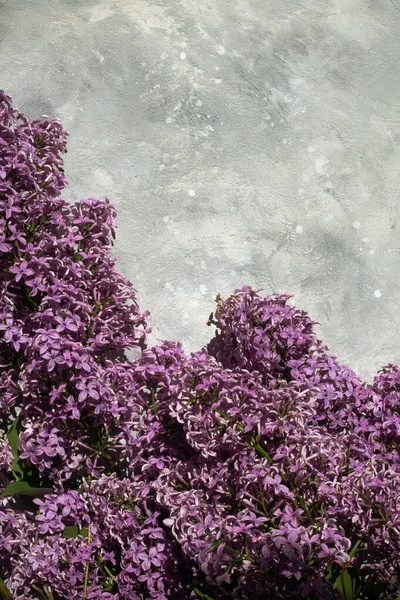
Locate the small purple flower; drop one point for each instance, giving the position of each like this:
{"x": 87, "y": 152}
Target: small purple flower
{"x": 21, "y": 270}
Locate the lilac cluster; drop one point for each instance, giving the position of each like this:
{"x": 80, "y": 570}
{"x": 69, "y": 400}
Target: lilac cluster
{"x": 256, "y": 468}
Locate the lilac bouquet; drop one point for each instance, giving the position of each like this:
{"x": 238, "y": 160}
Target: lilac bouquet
{"x": 256, "y": 468}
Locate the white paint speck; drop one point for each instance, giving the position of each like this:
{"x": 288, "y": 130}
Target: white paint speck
{"x": 311, "y": 149}
{"x": 199, "y": 103}
{"x": 356, "y": 224}
{"x": 203, "y": 289}
{"x": 192, "y": 193}
{"x": 372, "y": 251}
{"x": 272, "y": 124}
{"x": 285, "y": 141}
{"x": 161, "y": 167}
{"x": 99, "y": 56}
{"x": 221, "y": 50}
{"x": 301, "y": 191}
{"x": 169, "y": 120}
{"x": 299, "y": 229}
{"x": 320, "y": 163}
{"x": 182, "y": 55}
{"x": 377, "y": 293}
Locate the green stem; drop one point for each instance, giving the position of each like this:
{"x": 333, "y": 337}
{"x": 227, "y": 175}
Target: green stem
{"x": 4, "y": 591}
{"x": 263, "y": 452}
{"x": 85, "y": 585}
{"x": 107, "y": 570}
{"x": 153, "y": 401}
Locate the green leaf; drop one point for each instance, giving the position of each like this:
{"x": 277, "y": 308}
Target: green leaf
{"x": 13, "y": 440}
{"x": 13, "y": 436}
{"x": 23, "y": 488}
{"x": 201, "y": 595}
{"x": 4, "y": 591}
{"x": 345, "y": 584}
{"x": 72, "y": 531}
{"x": 329, "y": 572}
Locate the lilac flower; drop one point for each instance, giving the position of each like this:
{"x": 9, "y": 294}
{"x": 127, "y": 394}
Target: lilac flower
{"x": 6, "y": 457}
{"x": 21, "y": 270}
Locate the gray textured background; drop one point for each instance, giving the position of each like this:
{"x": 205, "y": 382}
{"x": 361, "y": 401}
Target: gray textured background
{"x": 254, "y": 141}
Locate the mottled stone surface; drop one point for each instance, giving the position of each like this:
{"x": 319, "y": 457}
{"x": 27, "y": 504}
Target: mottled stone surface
{"x": 254, "y": 141}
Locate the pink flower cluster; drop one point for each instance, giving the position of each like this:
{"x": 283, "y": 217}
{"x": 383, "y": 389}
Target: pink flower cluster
{"x": 258, "y": 467}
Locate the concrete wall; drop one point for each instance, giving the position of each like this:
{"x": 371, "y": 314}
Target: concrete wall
{"x": 253, "y": 141}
